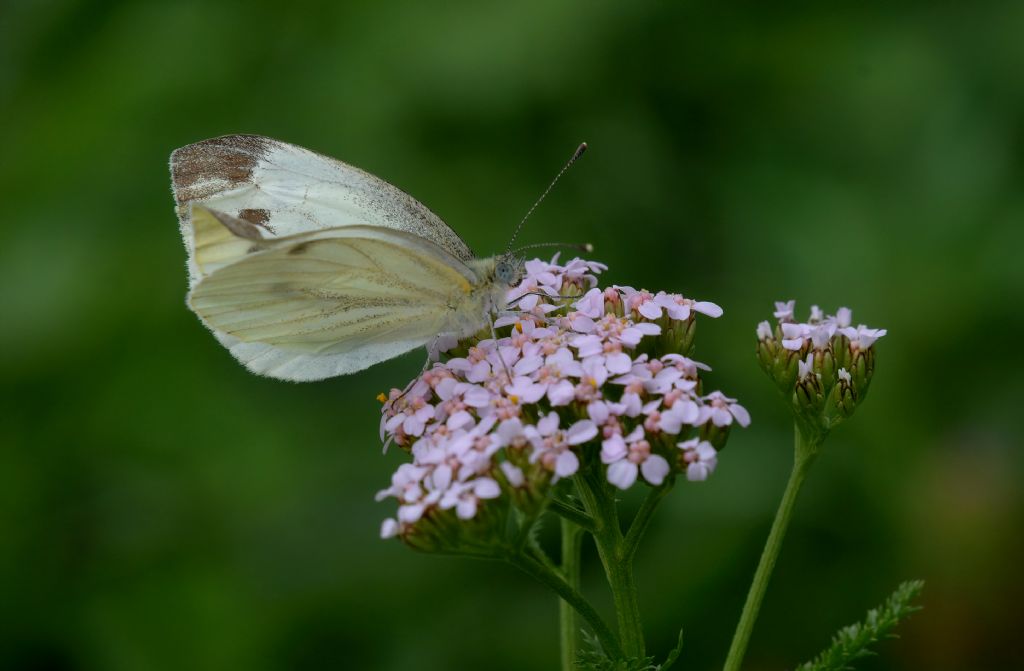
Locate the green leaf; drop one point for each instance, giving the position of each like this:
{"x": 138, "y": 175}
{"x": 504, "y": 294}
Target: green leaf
{"x": 673, "y": 654}
{"x": 593, "y": 658}
{"x": 852, "y": 643}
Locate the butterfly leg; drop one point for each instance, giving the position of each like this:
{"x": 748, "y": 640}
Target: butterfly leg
{"x": 523, "y": 314}
{"x": 431, "y": 354}
{"x": 497, "y": 350}
{"x": 544, "y": 295}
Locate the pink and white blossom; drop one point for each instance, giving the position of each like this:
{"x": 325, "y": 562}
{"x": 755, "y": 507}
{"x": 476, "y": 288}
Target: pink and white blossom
{"x": 805, "y": 367}
{"x": 700, "y": 458}
{"x": 862, "y": 337}
{"x": 819, "y": 330}
{"x": 575, "y": 379}
{"x": 631, "y": 455}
{"x": 722, "y": 410}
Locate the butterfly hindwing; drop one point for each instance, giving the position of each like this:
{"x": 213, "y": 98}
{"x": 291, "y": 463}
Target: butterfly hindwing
{"x": 315, "y": 305}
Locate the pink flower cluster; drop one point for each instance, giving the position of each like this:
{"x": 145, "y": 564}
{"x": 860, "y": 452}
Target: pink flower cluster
{"x": 819, "y": 329}
{"x": 601, "y": 376}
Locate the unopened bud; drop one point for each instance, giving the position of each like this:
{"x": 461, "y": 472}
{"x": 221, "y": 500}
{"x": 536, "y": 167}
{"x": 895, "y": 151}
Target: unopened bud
{"x": 824, "y": 365}
{"x": 718, "y": 436}
{"x": 842, "y": 400}
{"x": 677, "y": 336}
{"x": 809, "y": 395}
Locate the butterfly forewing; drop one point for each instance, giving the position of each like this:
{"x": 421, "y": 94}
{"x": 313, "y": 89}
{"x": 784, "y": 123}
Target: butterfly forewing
{"x": 286, "y": 190}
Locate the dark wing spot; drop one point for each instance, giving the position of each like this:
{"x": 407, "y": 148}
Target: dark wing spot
{"x": 239, "y": 227}
{"x": 257, "y": 216}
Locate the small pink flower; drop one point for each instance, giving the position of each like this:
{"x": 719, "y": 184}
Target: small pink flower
{"x": 627, "y": 457}
{"x": 805, "y": 368}
{"x": 389, "y": 528}
{"x": 679, "y": 307}
{"x": 722, "y": 410}
{"x": 821, "y": 334}
{"x": 594, "y": 372}
{"x": 591, "y": 305}
{"x": 689, "y": 367}
{"x": 587, "y": 345}
{"x": 862, "y": 337}
{"x": 793, "y": 335}
{"x": 631, "y": 335}
{"x": 466, "y": 496}
{"x": 405, "y": 484}
{"x": 784, "y": 311}
{"x": 553, "y": 447}
{"x": 524, "y": 390}
{"x": 685, "y": 411}
{"x": 700, "y": 459}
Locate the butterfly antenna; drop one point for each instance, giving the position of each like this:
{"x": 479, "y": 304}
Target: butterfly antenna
{"x": 578, "y": 246}
{"x": 579, "y": 152}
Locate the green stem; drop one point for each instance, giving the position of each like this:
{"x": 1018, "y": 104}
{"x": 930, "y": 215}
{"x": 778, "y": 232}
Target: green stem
{"x": 572, "y": 541}
{"x": 550, "y": 579}
{"x": 571, "y": 513}
{"x": 599, "y": 500}
{"x": 627, "y": 608}
{"x": 643, "y": 518}
{"x": 805, "y": 450}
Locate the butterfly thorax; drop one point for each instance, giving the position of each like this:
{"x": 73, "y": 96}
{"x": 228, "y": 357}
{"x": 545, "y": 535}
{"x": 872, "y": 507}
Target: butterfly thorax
{"x": 496, "y": 275}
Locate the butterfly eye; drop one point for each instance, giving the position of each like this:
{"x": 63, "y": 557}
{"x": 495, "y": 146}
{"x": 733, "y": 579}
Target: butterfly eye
{"x": 508, "y": 270}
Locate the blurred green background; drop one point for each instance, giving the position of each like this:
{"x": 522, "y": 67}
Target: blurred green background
{"x": 161, "y": 508}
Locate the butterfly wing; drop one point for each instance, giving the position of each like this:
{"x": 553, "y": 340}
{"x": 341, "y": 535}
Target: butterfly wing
{"x": 316, "y": 305}
{"x": 287, "y": 190}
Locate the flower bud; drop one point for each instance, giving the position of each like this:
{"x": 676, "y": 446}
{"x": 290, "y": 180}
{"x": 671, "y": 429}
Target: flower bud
{"x": 824, "y": 365}
{"x": 863, "y": 368}
{"x": 779, "y": 363}
{"x": 841, "y": 348}
{"x": 843, "y": 399}
{"x": 718, "y": 436}
{"x": 677, "y": 336}
{"x": 809, "y": 394}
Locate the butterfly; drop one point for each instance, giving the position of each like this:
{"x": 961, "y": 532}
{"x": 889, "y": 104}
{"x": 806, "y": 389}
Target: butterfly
{"x": 305, "y": 267}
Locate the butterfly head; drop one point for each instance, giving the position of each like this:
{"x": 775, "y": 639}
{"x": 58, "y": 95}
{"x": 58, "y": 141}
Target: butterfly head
{"x": 509, "y": 269}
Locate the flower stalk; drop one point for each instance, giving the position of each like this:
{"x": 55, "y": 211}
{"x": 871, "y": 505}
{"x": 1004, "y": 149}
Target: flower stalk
{"x": 599, "y": 500}
{"x": 549, "y": 578}
{"x": 805, "y": 450}
{"x": 572, "y": 542}
{"x": 822, "y": 367}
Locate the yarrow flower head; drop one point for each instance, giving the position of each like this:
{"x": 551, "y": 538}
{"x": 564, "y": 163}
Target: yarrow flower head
{"x": 579, "y": 381}
{"x": 824, "y": 365}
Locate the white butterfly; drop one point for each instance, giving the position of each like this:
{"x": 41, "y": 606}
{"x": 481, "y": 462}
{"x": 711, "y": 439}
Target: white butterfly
{"x": 305, "y": 267}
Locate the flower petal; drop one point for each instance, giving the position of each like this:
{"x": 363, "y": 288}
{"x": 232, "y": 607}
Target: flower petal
{"x": 655, "y": 468}
{"x": 566, "y": 464}
{"x": 580, "y": 432}
{"x": 622, "y": 474}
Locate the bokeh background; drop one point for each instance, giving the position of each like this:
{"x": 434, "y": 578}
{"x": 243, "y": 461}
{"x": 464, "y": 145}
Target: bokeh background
{"x": 163, "y": 509}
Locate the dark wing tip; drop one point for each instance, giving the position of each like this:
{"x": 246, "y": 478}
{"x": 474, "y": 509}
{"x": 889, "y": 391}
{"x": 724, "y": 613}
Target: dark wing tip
{"x": 202, "y": 169}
